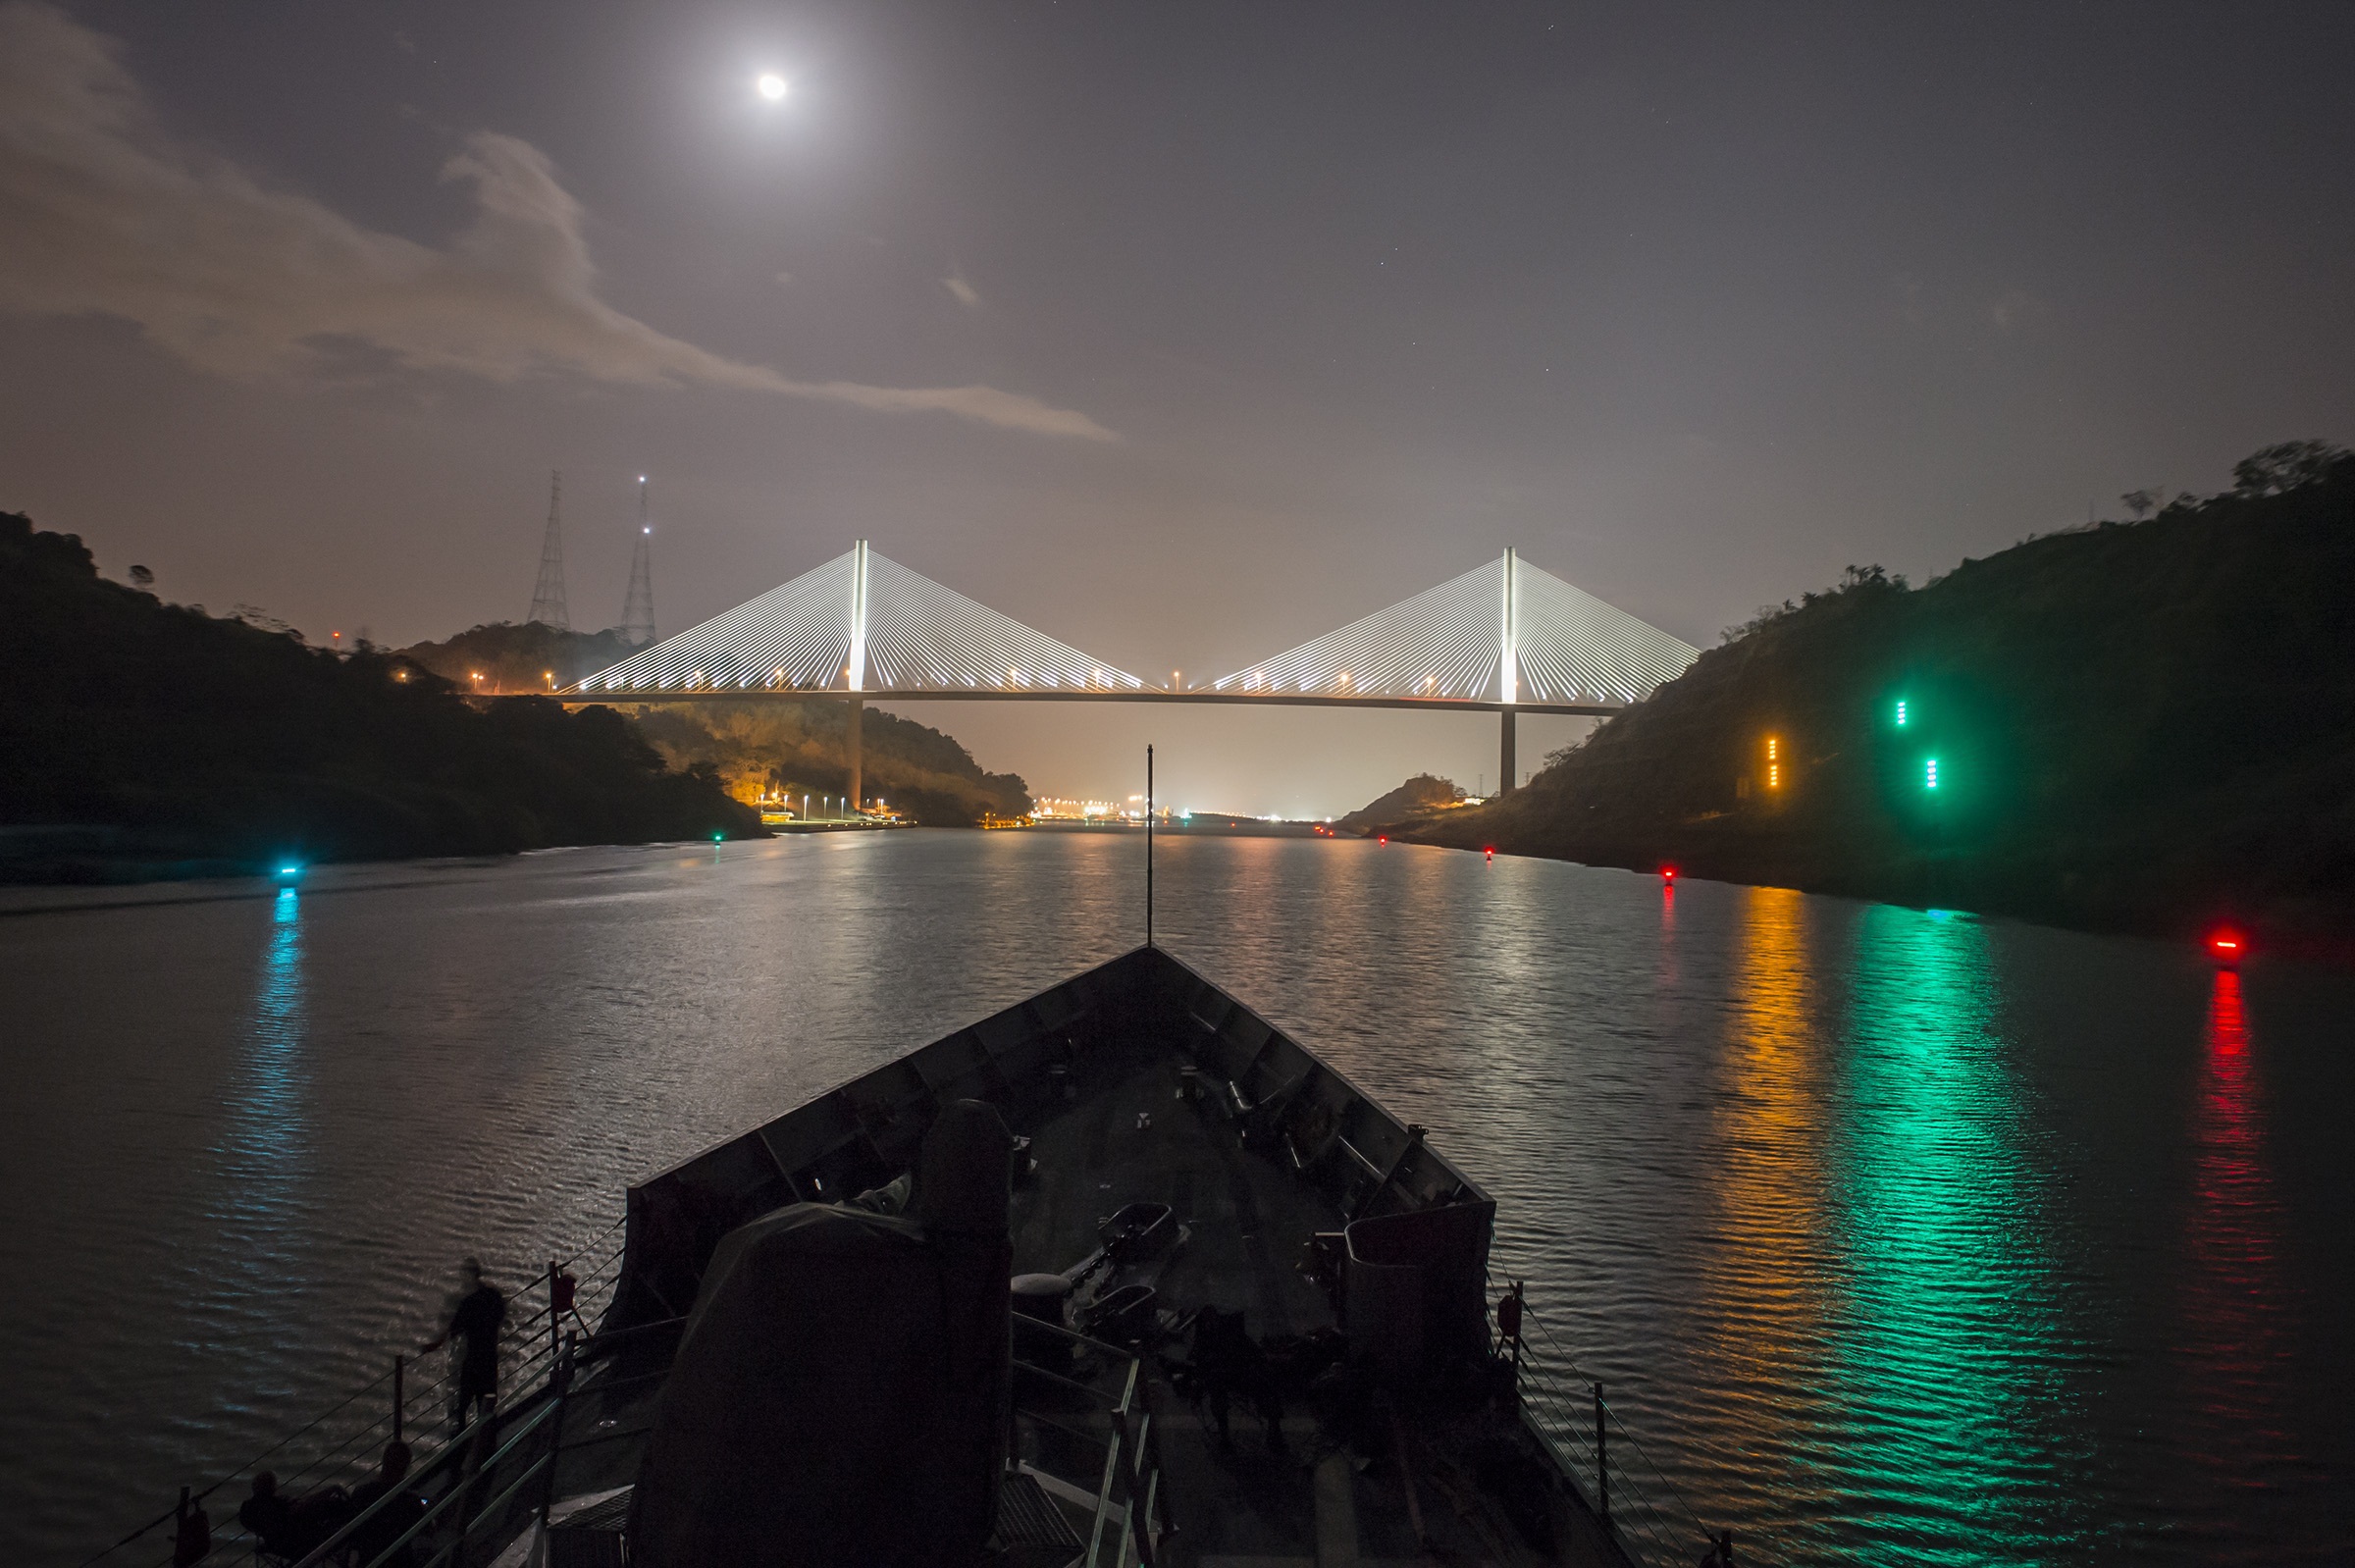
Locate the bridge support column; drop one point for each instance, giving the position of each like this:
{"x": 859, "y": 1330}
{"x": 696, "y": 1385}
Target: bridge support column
{"x": 858, "y": 712}
{"x": 1505, "y": 760}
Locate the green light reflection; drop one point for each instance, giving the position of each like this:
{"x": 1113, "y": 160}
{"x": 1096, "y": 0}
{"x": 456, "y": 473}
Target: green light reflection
{"x": 1950, "y": 1300}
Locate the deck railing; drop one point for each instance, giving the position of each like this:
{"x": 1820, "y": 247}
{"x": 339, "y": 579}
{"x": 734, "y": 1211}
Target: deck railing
{"x": 1082, "y": 1426}
{"x": 341, "y": 1445}
{"x": 1568, "y": 1412}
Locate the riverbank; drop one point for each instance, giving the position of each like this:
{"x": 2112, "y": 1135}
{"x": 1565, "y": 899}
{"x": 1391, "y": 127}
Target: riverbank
{"x": 140, "y": 739}
{"x": 2144, "y": 727}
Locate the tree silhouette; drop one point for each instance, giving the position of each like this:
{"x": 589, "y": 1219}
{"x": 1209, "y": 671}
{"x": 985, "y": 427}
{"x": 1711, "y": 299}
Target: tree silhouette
{"x": 2286, "y": 466}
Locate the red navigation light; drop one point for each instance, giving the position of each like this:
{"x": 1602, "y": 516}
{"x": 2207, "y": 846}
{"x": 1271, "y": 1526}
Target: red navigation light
{"x": 1383, "y": 839}
{"x": 1667, "y": 873}
{"x": 1491, "y": 852}
{"x": 2226, "y": 946}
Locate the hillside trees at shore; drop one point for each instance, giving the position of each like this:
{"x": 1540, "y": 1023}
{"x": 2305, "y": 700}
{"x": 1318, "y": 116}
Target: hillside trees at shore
{"x": 2142, "y": 726}
{"x": 503, "y": 658}
{"x": 802, "y": 746}
{"x": 169, "y": 740}
{"x": 1410, "y": 802}
{"x": 786, "y": 747}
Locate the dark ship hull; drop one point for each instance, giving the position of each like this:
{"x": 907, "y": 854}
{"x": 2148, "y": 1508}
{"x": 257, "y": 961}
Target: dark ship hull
{"x": 1252, "y": 1321}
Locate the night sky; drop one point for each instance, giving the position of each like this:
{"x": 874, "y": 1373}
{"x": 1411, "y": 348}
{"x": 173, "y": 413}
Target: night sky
{"x": 1180, "y": 332}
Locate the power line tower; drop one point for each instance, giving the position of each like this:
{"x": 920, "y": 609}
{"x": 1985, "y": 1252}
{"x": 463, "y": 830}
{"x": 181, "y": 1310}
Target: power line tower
{"x": 547, "y": 599}
{"x": 638, "y": 607}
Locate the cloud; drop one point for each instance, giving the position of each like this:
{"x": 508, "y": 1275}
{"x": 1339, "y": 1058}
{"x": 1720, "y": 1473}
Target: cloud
{"x": 2014, "y": 307}
{"x": 105, "y": 214}
{"x": 966, "y": 295}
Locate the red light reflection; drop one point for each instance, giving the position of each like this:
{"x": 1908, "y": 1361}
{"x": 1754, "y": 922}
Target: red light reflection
{"x": 2233, "y": 1328}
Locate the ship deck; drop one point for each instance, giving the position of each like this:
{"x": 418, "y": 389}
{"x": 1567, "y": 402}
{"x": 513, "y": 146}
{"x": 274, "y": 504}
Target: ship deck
{"x": 1140, "y": 1083}
{"x": 1247, "y": 1220}
{"x": 1243, "y": 1504}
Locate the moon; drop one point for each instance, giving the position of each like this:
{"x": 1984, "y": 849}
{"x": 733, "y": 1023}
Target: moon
{"x": 772, "y": 85}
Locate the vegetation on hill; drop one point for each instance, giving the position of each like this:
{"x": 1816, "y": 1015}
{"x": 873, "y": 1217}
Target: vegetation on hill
{"x": 187, "y": 740}
{"x": 2142, "y": 725}
{"x": 504, "y": 657}
{"x": 756, "y": 748}
{"x": 1409, "y": 804}
{"x": 801, "y": 748}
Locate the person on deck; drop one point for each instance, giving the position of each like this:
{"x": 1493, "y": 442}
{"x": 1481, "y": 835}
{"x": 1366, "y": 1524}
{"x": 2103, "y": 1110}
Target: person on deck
{"x": 399, "y": 1514}
{"x": 475, "y": 1326}
{"x": 266, "y": 1517}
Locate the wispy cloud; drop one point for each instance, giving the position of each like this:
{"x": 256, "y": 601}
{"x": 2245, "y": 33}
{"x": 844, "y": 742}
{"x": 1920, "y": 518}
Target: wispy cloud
{"x": 2012, "y": 309}
{"x": 104, "y": 213}
{"x": 965, "y": 293}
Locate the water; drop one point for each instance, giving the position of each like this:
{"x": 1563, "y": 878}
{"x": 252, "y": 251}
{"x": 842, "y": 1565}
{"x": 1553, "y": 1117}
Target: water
{"x": 1896, "y": 1237}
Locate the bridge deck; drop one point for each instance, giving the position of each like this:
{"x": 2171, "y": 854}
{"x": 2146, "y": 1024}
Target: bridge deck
{"x": 1460, "y": 705}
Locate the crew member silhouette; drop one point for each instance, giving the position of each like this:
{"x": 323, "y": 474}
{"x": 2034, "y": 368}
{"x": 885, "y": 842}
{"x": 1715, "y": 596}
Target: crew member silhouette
{"x": 475, "y": 1326}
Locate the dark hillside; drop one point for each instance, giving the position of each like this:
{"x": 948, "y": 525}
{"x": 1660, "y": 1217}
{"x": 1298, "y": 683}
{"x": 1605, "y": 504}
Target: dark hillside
{"x": 1418, "y": 797}
{"x": 2144, "y": 727}
{"x": 795, "y": 748}
{"x": 758, "y": 748}
{"x": 505, "y": 658}
{"x": 175, "y": 737}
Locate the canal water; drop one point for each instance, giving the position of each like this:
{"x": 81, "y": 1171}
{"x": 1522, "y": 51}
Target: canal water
{"x": 1895, "y": 1235}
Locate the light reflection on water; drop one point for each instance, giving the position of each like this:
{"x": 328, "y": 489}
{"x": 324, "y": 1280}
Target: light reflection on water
{"x": 1896, "y": 1237}
{"x": 1943, "y": 1374}
{"x": 266, "y": 1126}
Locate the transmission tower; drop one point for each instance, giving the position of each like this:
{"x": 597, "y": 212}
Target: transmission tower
{"x": 638, "y": 607}
{"x": 547, "y": 599}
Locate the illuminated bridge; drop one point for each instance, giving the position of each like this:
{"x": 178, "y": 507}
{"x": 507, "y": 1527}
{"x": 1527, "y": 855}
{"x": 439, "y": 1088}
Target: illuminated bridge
{"x": 1504, "y": 638}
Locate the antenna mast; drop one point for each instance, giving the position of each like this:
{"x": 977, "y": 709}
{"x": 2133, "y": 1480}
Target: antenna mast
{"x": 548, "y": 599}
{"x": 638, "y": 607}
{"x": 1148, "y": 845}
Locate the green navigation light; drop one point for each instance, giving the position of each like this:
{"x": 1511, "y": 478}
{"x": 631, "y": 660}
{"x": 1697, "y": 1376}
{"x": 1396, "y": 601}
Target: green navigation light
{"x": 1929, "y": 773}
{"x": 1900, "y": 714}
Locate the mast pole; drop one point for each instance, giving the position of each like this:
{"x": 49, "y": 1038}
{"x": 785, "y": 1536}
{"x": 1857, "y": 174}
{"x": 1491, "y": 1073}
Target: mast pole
{"x": 1508, "y": 677}
{"x": 1148, "y": 845}
{"x": 858, "y": 673}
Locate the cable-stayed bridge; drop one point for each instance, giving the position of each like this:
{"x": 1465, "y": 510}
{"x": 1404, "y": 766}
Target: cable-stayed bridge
{"x": 1506, "y": 638}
